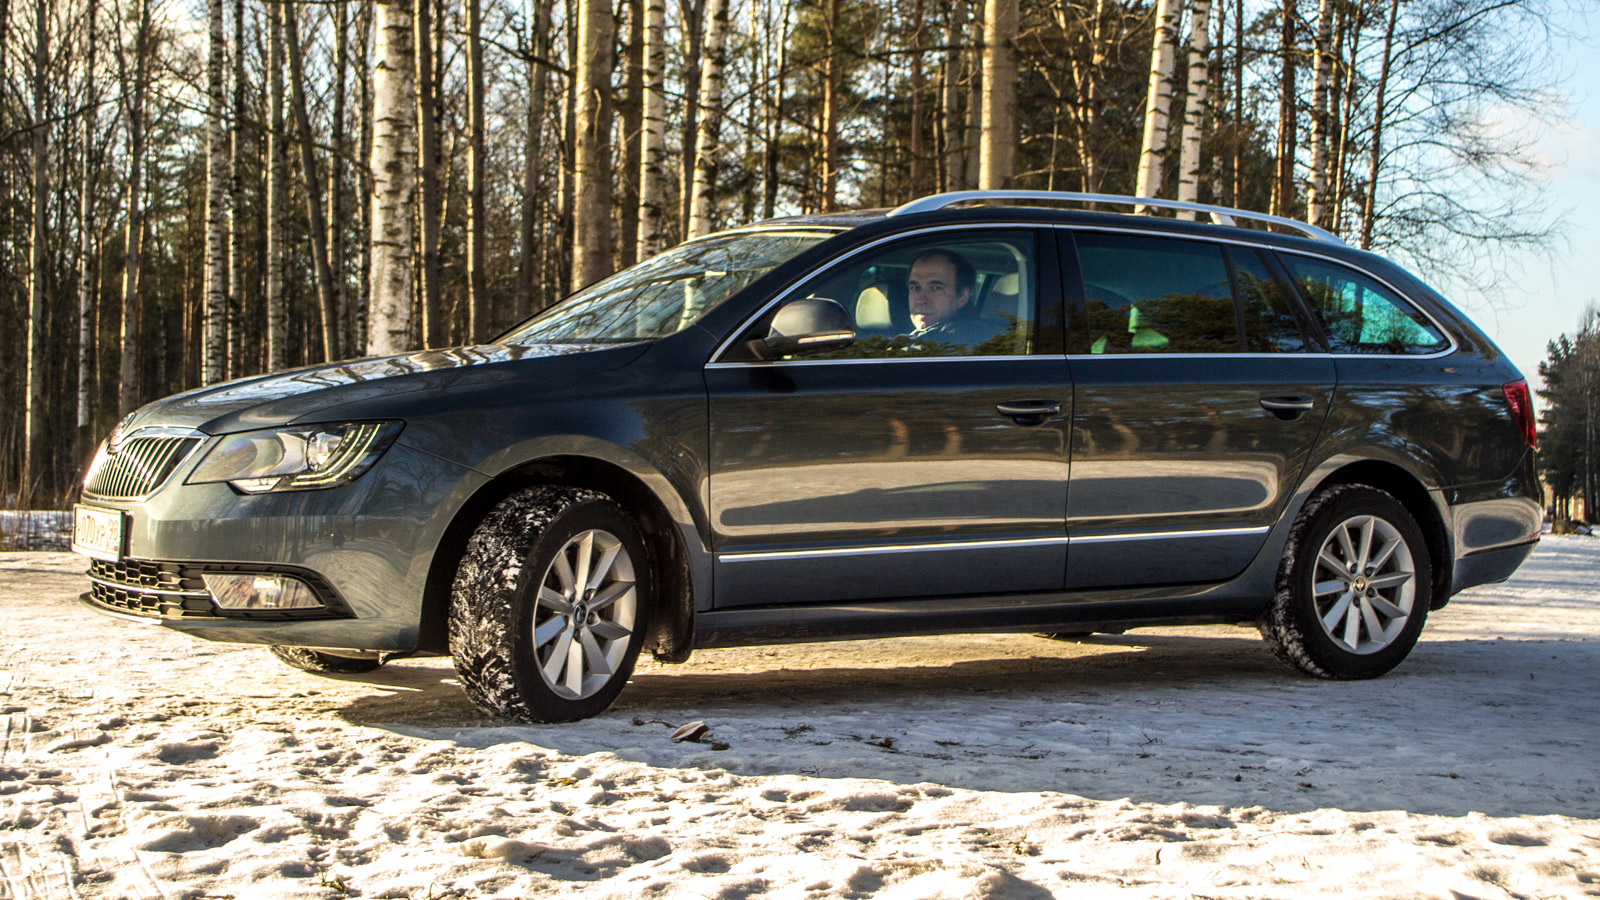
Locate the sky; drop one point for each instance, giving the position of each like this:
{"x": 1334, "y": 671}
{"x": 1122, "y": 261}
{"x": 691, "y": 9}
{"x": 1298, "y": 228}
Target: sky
{"x": 1560, "y": 284}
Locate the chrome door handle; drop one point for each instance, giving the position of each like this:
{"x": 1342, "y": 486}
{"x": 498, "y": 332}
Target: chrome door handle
{"x": 1288, "y": 407}
{"x": 1029, "y": 413}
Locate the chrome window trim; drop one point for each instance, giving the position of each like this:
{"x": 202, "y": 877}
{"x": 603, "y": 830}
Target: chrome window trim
{"x": 1165, "y": 535}
{"x": 934, "y": 546}
{"x": 896, "y": 359}
{"x": 838, "y": 260}
{"x": 1257, "y": 245}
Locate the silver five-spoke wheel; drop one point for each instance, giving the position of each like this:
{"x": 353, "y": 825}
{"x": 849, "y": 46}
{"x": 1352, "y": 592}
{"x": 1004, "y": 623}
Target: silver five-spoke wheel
{"x": 585, "y": 614}
{"x": 1365, "y": 584}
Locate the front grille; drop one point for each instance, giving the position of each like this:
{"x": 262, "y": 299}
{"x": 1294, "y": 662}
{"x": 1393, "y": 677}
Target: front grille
{"x": 138, "y": 466}
{"x": 169, "y": 590}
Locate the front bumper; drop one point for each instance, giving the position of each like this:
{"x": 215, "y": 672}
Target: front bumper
{"x": 364, "y": 548}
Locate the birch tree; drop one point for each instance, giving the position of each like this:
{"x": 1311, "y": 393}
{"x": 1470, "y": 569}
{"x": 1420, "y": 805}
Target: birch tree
{"x": 712, "y": 61}
{"x": 128, "y": 390}
{"x": 34, "y": 440}
{"x": 653, "y": 154}
{"x": 1158, "y": 103}
{"x": 1195, "y": 104}
{"x": 277, "y": 199}
{"x": 477, "y": 285}
{"x": 393, "y": 179}
{"x": 214, "y": 366}
{"x": 591, "y": 233}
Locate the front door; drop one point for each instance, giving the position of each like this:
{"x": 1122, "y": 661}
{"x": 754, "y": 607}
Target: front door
{"x": 927, "y": 460}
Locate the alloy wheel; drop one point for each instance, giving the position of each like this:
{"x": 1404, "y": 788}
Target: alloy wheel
{"x": 585, "y": 614}
{"x": 1364, "y": 584}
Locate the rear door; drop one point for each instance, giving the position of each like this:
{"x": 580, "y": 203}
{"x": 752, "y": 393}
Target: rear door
{"x": 1198, "y": 399}
{"x": 900, "y": 467}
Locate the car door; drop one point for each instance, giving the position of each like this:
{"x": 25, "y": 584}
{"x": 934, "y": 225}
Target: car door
{"x": 1198, "y": 400}
{"x": 901, "y": 466}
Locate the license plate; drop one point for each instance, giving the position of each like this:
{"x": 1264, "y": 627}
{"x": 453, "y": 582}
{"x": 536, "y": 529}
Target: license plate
{"x": 97, "y": 532}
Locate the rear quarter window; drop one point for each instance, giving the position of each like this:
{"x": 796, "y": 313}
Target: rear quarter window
{"x": 1358, "y": 314}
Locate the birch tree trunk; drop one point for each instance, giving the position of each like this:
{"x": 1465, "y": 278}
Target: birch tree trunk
{"x": 336, "y": 191}
{"x": 1318, "y": 199}
{"x": 631, "y": 120}
{"x": 528, "y": 269}
{"x": 428, "y": 166}
{"x": 591, "y": 232}
{"x": 1194, "y": 118}
{"x": 87, "y": 257}
{"x": 917, "y": 146}
{"x": 277, "y": 200}
{"x": 1094, "y": 102}
{"x": 214, "y": 367}
{"x": 128, "y": 388}
{"x": 36, "y": 449}
{"x": 1158, "y": 102}
{"x": 236, "y": 203}
{"x": 997, "y": 152}
{"x": 308, "y": 166}
{"x": 394, "y": 149}
{"x": 364, "y": 177}
{"x": 653, "y": 154}
{"x": 477, "y": 284}
{"x": 713, "y": 59}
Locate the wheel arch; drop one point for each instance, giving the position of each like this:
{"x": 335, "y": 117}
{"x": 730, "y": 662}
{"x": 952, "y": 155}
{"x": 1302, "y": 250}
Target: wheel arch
{"x": 671, "y": 635}
{"x": 1405, "y": 487}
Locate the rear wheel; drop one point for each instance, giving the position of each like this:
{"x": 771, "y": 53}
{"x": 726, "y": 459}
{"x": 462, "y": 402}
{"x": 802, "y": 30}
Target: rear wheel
{"x": 1354, "y": 587}
{"x": 549, "y": 605}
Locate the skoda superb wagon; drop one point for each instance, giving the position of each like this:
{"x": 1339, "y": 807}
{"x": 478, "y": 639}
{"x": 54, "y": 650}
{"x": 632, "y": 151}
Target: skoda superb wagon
{"x": 979, "y": 412}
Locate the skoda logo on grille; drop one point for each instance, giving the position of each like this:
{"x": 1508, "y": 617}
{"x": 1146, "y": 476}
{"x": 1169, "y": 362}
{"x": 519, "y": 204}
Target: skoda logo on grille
{"x": 118, "y": 432}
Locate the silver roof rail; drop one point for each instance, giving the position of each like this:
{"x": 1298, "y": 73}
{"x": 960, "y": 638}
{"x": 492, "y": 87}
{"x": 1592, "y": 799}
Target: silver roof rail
{"x": 1221, "y": 215}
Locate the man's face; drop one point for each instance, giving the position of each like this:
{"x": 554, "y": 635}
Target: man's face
{"x": 932, "y": 291}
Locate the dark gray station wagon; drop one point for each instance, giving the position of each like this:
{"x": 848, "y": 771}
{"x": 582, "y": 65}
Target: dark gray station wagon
{"x": 1002, "y": 417}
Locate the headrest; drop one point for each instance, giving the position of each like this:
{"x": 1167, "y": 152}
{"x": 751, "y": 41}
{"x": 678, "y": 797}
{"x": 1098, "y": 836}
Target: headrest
{"x": 1008, "y": 285}
{"x": 872, "y": 308}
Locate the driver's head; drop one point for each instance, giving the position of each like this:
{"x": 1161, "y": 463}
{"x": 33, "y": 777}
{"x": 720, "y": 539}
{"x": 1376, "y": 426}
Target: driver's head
{"x": 939, "y": 285}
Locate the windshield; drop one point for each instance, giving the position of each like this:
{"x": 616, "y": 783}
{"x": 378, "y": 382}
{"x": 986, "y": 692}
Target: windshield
{"x": 666, "y": 293}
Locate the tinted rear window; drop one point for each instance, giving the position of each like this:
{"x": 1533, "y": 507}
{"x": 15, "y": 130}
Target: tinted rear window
{"x": 1358, "y": 314}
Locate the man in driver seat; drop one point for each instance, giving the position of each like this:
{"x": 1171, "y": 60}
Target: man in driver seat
{"x": 939, "y": 290}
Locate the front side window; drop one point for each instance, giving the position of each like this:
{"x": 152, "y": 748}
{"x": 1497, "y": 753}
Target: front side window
{"x": 667, "y": 293}
{"x": 969, "y": 293}
{"x": 1358, "y": 314}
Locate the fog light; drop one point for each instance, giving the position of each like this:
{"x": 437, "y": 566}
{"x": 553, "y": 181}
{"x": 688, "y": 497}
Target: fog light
{"x": 260, "y": 592}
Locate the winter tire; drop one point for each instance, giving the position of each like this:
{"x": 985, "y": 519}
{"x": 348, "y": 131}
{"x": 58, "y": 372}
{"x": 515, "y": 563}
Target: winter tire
{"x": 549, "y": 605}
{"x": 1354, "y": 586}
{"x": 324, "y": 662}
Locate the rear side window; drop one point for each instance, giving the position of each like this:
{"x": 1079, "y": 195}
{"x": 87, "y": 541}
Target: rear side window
{"x": 1155, "y": 295}
{"x": 1358, "y": 314}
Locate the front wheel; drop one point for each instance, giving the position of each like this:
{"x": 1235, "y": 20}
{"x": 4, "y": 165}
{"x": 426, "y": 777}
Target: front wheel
{"x": 1354, "y": 586}
{"x": 549, "y": 604}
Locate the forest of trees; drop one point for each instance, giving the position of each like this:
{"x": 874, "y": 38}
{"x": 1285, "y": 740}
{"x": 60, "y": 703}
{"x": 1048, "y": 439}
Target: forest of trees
{"x": 1569, "y": 444}
{"x": 197, "y": 190}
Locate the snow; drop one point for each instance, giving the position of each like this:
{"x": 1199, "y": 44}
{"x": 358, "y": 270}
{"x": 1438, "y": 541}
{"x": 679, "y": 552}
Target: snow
{"x": 136, "y": 762}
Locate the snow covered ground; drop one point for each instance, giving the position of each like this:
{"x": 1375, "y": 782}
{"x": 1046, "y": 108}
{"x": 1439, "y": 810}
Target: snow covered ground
{"x": 1182, "y": 762}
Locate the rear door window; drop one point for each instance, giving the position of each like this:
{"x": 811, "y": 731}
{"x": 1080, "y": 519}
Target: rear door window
{"x": 1358, "y": 314}
{"x": 1164, "y": 295}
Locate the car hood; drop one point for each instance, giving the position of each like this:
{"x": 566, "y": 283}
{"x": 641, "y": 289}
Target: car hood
{"x": 313, "y": 392}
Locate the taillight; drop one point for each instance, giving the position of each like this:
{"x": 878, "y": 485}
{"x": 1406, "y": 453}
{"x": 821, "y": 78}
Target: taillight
{"x": 1520, "y": 402}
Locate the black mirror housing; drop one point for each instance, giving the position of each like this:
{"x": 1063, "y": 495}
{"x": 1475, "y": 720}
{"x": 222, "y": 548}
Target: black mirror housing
{"x": 808, "y": 325}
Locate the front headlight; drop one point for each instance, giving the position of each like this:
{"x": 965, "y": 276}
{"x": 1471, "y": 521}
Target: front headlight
{"x": 296, "y": 458}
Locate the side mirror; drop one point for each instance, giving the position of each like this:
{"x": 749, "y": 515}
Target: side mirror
{"x": 809, "y": 325}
